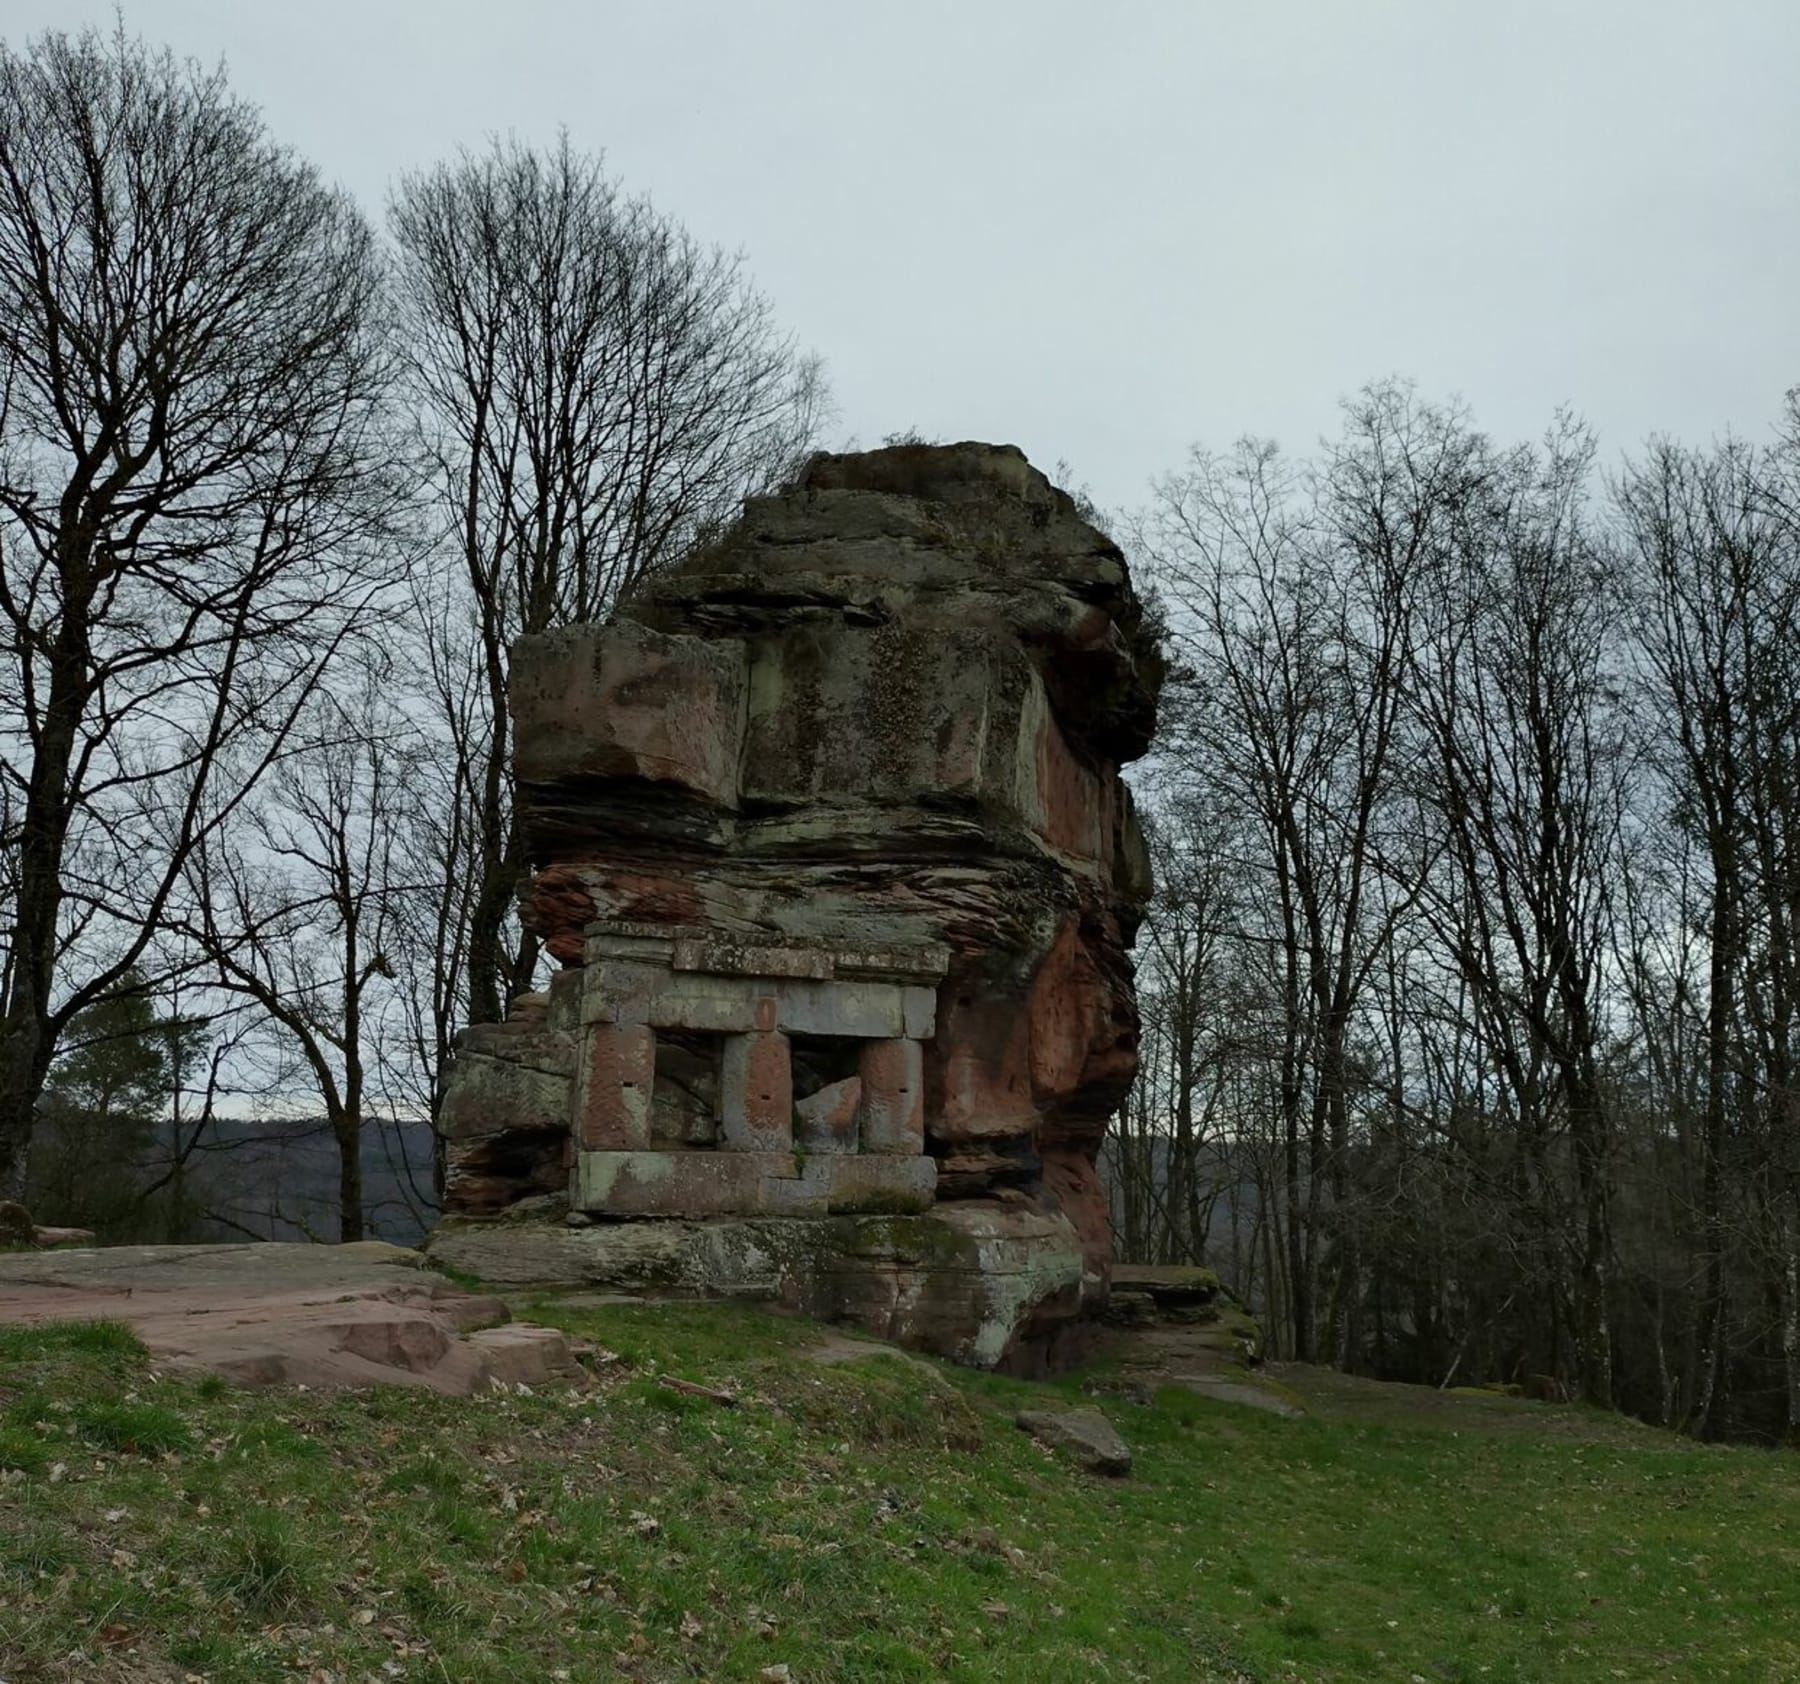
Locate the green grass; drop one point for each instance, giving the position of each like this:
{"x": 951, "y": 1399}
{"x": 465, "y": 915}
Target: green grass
{"x": 870, "y": 1522}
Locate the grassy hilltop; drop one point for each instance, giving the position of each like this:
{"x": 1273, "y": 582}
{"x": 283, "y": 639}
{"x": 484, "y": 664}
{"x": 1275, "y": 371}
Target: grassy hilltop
{"x": 877, "y": 1520}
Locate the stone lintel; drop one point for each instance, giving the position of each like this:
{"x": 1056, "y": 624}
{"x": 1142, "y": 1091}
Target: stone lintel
{"x": 624, "y": 991}
{"x": 638, "y": 929}
{"x": 699, "y": 1184}
{"x": 927, "y": 963}
{"x": 860, "y": 1010}
{"x": 694, "y": 947}
{"x": 643, "y": 950}
{"x": 729, "y": 958}
{"x": 619, "y": 991}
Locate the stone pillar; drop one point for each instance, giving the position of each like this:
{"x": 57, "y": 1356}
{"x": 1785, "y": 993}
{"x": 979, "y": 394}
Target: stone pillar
{"x": 893, "y": 1097}
{"x": 756, "y": 1093}
{"x": 617, "y": 1077}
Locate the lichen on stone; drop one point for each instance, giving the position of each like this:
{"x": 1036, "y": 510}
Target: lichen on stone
{"x": 882, "y": 715}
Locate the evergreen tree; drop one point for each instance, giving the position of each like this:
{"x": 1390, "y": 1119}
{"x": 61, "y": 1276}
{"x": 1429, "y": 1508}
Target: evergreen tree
{"x": 98, "y": 1153}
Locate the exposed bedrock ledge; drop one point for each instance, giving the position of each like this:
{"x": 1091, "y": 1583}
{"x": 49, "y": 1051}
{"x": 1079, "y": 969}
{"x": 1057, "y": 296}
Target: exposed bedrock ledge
{"x": 984, "y": 1283}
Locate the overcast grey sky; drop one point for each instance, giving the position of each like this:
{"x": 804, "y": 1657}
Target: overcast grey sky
{"x": 1105, "y": 231}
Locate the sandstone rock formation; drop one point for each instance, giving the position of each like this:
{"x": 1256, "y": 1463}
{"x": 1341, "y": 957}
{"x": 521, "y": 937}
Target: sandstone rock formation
{"x": 831, "y": 846}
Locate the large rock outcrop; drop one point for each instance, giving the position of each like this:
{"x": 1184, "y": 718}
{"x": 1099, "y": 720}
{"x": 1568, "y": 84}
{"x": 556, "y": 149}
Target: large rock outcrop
{"x": 831, "y": 846}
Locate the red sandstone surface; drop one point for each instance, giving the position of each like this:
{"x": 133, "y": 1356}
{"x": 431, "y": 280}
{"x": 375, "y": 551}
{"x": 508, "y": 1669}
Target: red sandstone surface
{"x": 829, "y": 837}
{"x": 324, "y": 1316}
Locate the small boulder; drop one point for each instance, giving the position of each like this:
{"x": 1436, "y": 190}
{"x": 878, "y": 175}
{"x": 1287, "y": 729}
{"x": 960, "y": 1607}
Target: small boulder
{"x": 1084, "y": 1434}
{"x": 522, "y": 1354}
{"x": 825, "y": 1121}
{"x": 1245, "y": 1393}
{"x": 16, "y": 1227}
{"x": 47, "y": 1239}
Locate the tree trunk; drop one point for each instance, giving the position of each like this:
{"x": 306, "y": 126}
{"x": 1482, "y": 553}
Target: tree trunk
{"x": 346, "y": 1130}
{"x": 1593, "y": 1329}
{"x": 26, "y": 1043}
{"x": 1790, "y": 1306}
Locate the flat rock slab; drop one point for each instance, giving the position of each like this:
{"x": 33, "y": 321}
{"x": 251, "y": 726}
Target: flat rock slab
{"x": 47, "y": 1238}
{"x": 963, "y": 1280}
{"x": 1207, "y": 1358}
{"x": 1245, "y": 1393}
{"x": 272, "y": 1314}
{"x": 838, "y": 1349}
{"x": 1167, "y": 1283}
{"x": 1084, "y": 1434}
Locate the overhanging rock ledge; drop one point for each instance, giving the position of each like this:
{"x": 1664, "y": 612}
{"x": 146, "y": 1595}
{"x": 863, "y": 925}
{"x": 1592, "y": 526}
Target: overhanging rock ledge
{"x": 830, "y": 842}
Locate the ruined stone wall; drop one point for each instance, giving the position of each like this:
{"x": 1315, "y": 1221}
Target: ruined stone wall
{"x": 831, "y": 845}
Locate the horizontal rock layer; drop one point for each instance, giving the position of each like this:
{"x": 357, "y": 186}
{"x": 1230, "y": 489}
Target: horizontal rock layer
{"x": 829, "y": 837}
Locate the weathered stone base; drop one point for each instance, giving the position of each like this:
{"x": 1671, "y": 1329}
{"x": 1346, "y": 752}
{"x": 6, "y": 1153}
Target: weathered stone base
{"x": 690, "y": 1184}
{"x": 990, "y": 1284}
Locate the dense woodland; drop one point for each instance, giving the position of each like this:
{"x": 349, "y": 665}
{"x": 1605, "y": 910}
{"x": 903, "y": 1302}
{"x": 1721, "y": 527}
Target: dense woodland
{"x": 1471, "y": 988}
{"x": 1471, "y": 983}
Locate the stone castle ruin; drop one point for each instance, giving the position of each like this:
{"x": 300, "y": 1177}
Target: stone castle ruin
{"x": 831, "y": 846}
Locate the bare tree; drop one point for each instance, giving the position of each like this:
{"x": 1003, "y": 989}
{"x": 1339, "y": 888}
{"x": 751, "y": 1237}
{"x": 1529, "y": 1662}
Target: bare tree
{"x": 189, "y": 383}
{"x": 1502, "y": 1035}
{"x": 598, "y": 389}
{"x": 450, "y": 693}
{"x": 1718, "y": 550}
{"x": 1292, "y": 595}
{"x": 1519, "y": 681}
{"x": 1162, "y": 1151}
{"x": 301, "y": 902}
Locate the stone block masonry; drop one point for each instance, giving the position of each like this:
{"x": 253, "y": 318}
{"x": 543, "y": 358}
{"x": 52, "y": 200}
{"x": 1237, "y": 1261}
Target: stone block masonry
{"x": 643, "y": 985}
{"x": 829, "y": 836}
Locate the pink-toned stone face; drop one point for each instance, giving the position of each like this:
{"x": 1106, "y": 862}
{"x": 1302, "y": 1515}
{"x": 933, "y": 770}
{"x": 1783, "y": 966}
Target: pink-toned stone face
{"x": 1072, "y": 1180}
{"x": 615, "y": 1092}
{"x": 1057, "y": 1061}
{"x": 1074, "y": 808}
{"x": 1083, "y": 1029}
{"x": 756, "y": 1093}
{"x": 893, "y": 1097}
{"x": 980, "y": 1080}
{"x": 624, "y": 702}
{"x": 834, "y": 807}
